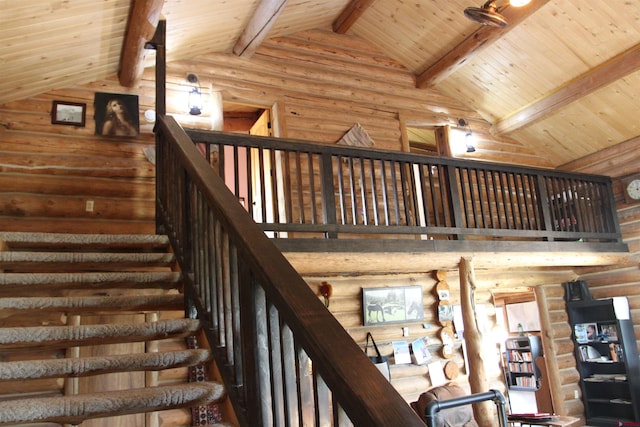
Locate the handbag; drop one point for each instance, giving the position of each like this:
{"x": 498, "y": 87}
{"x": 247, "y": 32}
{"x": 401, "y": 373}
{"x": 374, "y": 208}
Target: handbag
{"x": 381, "y": 362}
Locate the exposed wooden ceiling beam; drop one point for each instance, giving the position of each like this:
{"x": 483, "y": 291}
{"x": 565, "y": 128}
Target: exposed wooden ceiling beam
{"x": 254, "y": 33}
{"x": 350, "y": 15}
{"x": 596, "y": 78}
{"x": 141, "y": 27}
{"x": 482, "y": 38}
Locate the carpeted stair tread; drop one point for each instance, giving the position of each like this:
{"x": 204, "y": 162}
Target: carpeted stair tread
{"x": 77, "y": 367}
{"x": 85, "y": 280}
{"x": 66, "y": 336}
{"x": 95, "y": 304}
{"x": 70, "y": 261}
{"x": 22, "y": 241}
{"x": 76, "y": 409}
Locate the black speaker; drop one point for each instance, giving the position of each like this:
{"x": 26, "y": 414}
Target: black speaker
{"x": 576, "y": 290}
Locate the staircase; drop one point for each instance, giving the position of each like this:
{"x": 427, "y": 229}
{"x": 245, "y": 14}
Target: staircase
{"x": 93, "y": 327}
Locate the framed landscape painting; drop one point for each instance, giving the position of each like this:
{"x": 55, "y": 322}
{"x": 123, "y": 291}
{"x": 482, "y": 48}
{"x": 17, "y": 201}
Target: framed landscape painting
{"x": 68, "y": 113}
{"x": 392, "y": 305}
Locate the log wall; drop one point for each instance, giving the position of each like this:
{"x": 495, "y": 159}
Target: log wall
{"x": 617, "y": 162}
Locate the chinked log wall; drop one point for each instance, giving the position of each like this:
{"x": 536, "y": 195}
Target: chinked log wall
{"x": 321, "y": 84}
{"x": 603, "y": 282}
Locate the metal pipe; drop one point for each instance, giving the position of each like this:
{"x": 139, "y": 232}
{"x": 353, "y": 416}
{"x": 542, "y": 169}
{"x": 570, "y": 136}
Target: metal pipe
{"x": 496, "y": 396}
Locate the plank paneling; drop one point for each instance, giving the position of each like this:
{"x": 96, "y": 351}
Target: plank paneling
{"x": 327, "y": 83}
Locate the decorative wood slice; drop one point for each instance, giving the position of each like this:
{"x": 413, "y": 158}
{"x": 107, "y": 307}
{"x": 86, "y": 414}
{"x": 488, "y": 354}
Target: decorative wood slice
{"x": 447, "y": 335}
{"x": 442, "y": 290}
{"x": 447, "y": 351}
{"x": 451, "y": 370}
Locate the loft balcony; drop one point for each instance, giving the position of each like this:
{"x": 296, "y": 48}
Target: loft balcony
{"x": 384, "y": 210}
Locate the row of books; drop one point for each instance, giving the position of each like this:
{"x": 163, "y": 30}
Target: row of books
{"x": 520, "y": 367}
{"x": 591, "y": 354}
{"x": 529, "y": 382}
{"x": 520, "y": 356}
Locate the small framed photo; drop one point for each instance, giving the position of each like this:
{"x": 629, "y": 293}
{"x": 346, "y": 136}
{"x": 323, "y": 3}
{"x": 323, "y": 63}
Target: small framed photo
{"x": 68, "y": 113}
{"x": 609, "y": 332}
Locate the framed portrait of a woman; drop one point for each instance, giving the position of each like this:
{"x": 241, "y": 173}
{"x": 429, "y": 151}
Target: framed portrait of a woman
{"x": 116, "y": 114}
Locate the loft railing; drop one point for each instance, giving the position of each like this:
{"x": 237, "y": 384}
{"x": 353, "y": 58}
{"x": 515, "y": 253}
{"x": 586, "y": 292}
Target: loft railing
{"x": 300, "y": 189}
{"x": 285, "y": 360}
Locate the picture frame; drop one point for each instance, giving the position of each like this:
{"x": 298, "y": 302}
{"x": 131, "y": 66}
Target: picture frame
{"x": 608, "y": 332}
{"x": 523, "y": 317}
{"x": 68, "y": 113}
{"x": 117, "y": 114}
{"x": 392, "y": 305}
{"x": 586, "y": 332}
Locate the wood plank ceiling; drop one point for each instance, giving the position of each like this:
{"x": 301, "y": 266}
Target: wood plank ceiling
{"x": 562, "y": 78}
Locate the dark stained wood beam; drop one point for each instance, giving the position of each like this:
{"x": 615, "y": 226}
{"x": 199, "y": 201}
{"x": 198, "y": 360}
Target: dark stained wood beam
{"x": 263, "y": 19}
{"x": 596, "y": 78}
{"x": 474, "y": 44}
{"x": 141, "y": 27}
{"x": 350, "y": 15}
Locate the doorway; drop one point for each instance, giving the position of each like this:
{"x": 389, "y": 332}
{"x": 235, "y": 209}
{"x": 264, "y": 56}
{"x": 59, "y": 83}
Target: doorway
{"x": 518, "y": 317}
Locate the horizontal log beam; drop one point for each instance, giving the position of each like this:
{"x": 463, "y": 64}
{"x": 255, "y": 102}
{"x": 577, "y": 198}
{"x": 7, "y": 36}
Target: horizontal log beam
{"x": 256, "y": 31}
{"x": 143, "y": 21}
{"x": 481, "y": 39}
{"x": 350, "y": 15}
{"x": 596, "y": 78}
{"x": 406, "y": 256}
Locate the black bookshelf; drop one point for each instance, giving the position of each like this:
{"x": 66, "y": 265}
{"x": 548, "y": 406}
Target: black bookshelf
{"x": 607, "y": 359}
{"x": 522, "y": 370}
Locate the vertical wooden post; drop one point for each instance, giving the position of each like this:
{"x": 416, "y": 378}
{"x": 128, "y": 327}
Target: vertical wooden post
{"x": 482, "y": 412}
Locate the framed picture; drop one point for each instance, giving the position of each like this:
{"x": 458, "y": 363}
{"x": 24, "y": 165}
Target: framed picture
{"x": 68, "y": 113}
{"x": 585, "y": 332}
{"x": 392, "y": 305}
{"x": 117, "y": 114}
{"x": 608, "y": 332}
{"x": 523, "y": 317}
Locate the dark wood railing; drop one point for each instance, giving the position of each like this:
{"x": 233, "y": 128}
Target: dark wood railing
{"x": 285, "y": 360}
{"x": 293, "y": 188}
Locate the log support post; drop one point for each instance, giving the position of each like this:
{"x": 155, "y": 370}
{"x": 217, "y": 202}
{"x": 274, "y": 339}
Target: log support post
{"x": 483, "y": 411}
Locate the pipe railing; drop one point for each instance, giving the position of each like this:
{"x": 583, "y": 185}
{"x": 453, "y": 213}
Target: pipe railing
{"x": 284, "y": 358}
{"x": 294, "y": 188}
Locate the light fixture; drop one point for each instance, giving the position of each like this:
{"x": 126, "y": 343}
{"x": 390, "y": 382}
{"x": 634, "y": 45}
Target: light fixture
{"x": 489, "y": 14}
{"x": 195, "y": 96}
{"x": 469, "y": 140}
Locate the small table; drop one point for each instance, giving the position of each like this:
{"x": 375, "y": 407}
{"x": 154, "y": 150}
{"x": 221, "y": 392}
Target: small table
{"x": 556, "y": 420}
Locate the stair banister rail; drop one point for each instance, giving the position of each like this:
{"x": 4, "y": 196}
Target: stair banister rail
{"x": 284, "y": 358}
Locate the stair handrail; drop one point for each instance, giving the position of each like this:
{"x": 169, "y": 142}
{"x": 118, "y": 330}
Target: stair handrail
{"x": 234, "y": 272}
